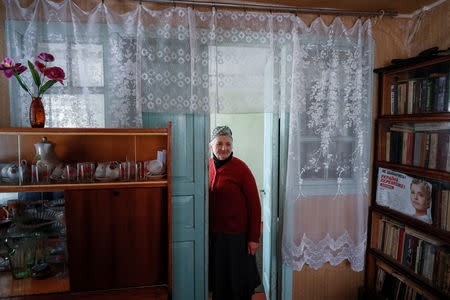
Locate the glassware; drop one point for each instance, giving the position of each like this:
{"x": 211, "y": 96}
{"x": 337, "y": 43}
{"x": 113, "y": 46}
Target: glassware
{"x": 21, "y": 256}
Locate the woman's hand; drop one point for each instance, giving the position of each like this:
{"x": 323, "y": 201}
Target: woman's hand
{"x": 252, "y": 247}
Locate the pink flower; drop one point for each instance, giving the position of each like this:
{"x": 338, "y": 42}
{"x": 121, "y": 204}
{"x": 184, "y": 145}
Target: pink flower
{"x": 46, "y": 57}
{"x": 40, "y": 66}
{"x": 55, "y": 73}
{"x": 9, "y": 66}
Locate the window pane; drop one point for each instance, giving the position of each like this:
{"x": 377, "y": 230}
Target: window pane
{"x": 58, "y": 50}
{"x": 89, "y": 73}
{"x": 341, "y": 160}
{"x": 313, "y": 168}
{"x": 75, "y": 110}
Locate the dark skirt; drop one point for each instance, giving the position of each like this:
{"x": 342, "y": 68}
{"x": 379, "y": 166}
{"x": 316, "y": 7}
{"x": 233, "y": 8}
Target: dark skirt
{"x": 233, "y": 273}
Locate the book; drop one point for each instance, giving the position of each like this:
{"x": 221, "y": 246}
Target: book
{"x": 410, "y": 251}
{"x": 401, "y": 242}
{"x": 417, "y": 148}
{"x": 447, "y": 217}
{"x": 441, "y": 92}
{"x": 444, "y": 207}
{"x": 409, "y": 148}
{"x": 394, "y": 99}
{"x": 425, "y": 151}
{"x": 397, "y": 191}
{"x": 402, "y": 89}
{"x": 433, "y": 150}
{"x": 442, "y": 150}
{"x": 418, "y": 96}
{"x": 388, "y": 146}
{"x": 411, "y": 96}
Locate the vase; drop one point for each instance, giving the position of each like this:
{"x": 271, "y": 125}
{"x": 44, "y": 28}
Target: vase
{"x": 37, "y": 113}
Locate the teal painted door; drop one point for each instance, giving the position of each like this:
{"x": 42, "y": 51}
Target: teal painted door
{"x": 189, "y": 179}
{"x": 270, "y": 205}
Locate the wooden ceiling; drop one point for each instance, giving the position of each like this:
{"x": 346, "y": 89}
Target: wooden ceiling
{"x": 398, "y": 6}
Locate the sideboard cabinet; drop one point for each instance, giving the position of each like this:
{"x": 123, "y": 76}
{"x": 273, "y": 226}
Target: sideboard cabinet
{"x": 114, "y": 217}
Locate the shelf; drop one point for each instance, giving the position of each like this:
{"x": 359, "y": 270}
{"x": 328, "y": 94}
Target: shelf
{"x": 408, "y": 274}
{"x": 424, "y": 117}
{"x": 440, "y": 234}
{"x": 10, "y": 287}
{"x": 83, "y": 131}
{"x": 76, "y": 186}
{"x": 413, "y": 170}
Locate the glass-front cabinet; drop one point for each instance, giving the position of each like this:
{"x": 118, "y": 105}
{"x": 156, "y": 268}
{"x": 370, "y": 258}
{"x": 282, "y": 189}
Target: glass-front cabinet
{"x": 84, "y": 210}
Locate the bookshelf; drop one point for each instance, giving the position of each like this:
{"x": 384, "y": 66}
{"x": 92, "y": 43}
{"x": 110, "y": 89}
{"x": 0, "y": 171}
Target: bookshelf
{"x": 408, "y": 249}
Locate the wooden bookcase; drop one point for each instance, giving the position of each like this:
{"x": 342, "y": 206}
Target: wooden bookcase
{"x": 118, "y": 231}
{"x": 406, "y": 255}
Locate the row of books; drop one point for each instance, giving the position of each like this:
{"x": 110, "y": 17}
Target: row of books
{"x": 394, "y": 288}
{"x": 441, "y": 207}
{"x": 426, "y": 149}
{"x": 430, "y": 94}
{"x": 420, "y": 253}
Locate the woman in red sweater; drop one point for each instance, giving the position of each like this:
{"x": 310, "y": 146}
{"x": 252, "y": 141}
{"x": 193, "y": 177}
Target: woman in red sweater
{"x": 234, "y": 222}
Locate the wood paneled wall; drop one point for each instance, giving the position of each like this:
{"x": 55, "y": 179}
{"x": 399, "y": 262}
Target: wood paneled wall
{"x": 329, "y": 282}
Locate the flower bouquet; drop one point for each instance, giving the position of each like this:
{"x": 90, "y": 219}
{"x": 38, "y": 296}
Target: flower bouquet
{"x": 39, "y": 71}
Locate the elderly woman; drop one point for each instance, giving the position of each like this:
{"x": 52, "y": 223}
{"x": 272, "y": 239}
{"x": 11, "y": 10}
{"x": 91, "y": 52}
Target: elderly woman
{"x": 234, "y": 221}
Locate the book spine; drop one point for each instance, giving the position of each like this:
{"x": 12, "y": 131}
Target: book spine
{"x": 433, "y": 150}
{"x": 442, "y": 151}
{"x": 417, "y": 148}
{"x": 411, "y": 94}
{"x": 441, "y": 86}
{"x": 394, "y": 99}
{"x": 409, "y": 148}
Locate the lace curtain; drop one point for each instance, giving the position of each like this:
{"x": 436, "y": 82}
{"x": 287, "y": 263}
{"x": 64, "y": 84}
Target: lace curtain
{"x": 182, "y": 60}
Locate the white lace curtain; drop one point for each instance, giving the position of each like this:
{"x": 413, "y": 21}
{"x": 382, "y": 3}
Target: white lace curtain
{"x": 181, "y": 60}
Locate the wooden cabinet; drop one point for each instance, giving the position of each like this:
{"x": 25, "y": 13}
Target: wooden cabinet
{"x": 118, "y": 229}
{"x": 408, "y": 243}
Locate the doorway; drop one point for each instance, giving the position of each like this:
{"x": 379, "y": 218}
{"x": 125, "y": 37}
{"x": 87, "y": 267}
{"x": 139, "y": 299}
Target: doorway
{"x": 252, "y": 143}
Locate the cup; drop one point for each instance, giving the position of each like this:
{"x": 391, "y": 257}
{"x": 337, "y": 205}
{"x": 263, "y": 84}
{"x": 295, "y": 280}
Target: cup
{"x": 139, "y": 171}
{"x": 81, "y": 172}
{"x": 21, "y": 256}
{"x": 34, "y": 174}
{"x": 90, "y": 166}
{"x": 44, "y": 174}
{"x": 124, "y": 171}
{"x": 70, "y": 173}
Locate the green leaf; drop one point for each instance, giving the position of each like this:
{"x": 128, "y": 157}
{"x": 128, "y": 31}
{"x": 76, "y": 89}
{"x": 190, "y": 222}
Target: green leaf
{"x": 21, "y": 83}
{"x": 35, "y": 74}
{"x": 46, "y": 86}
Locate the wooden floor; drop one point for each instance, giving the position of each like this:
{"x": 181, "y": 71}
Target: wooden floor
{"x": 257, "y": 296}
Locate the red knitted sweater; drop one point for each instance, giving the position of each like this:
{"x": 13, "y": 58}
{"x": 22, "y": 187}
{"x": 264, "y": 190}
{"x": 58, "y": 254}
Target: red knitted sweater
{"x": 233, "y": 200}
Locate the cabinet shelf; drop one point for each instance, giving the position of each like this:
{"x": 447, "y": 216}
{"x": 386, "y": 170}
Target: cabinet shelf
{"x": 117, "y": 235}
{"x": 76, "y": 186}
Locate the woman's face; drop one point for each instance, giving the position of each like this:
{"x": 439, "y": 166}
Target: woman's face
{"x": 419, "y": 198}
{"x": 221, "y": 147}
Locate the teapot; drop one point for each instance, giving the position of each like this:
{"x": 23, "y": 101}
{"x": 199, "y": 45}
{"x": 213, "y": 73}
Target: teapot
{"x": 45, "y": 154}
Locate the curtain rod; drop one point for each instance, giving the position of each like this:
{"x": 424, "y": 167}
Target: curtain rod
{"x": 278, "y": 8}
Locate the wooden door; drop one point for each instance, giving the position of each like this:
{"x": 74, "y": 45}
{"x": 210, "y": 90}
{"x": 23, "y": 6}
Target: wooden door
{"x": 189, "y": 181}
{"x": 117, "y": 238}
